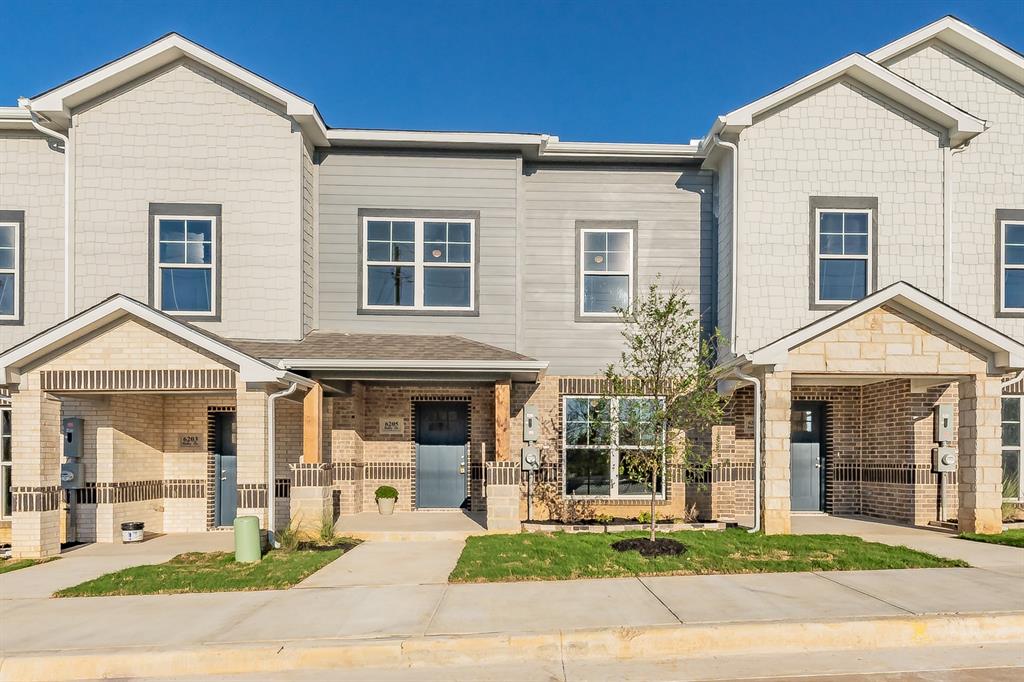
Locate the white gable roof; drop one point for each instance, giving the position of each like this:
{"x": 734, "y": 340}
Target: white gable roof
{"x": 963, "y": 38}
{"x": 56, "y": 104}
{"x": 960, "y": 125}
{"x": 1007, "y": 353}
{"x": 120, "y": 306}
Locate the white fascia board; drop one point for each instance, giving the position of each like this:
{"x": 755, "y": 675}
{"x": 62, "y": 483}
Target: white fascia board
{"x": 356, "y": 137}
{"x": 1007, "y": 353}
{"x": 250, "y": 369}
{"x": 413, "y": 365}
{"x": 962, "y": 37}
{"x": 960, "y": 124}
{"x": 618, "y": 150}
{"x": 15, "y": 118}
{"x": 57, "y": 104}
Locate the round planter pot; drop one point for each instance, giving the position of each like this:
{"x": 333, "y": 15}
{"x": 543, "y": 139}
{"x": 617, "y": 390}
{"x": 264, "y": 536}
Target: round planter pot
{"x": 386, "y": 506}
{"x": 131, "y": 531}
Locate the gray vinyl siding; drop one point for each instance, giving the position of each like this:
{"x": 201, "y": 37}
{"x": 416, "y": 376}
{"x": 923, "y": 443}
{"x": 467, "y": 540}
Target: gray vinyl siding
{"x": 350, "y": 181}
{"x": 673, "y": 212}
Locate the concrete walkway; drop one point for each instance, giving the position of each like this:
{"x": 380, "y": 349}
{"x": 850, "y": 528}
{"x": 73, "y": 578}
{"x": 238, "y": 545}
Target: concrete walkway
{"x": 85, "y": 562}
{"x": 998, "y": 558}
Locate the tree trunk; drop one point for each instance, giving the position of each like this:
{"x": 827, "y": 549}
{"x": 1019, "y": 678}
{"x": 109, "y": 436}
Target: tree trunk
{"x": 654, "y": 496}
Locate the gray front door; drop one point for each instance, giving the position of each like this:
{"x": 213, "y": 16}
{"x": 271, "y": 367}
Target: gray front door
{"x": 226, "y": 469}
{"x": 805, "y": 461}
{"x": 441, "y": 437}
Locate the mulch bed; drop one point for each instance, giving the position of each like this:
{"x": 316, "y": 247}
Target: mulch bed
{"x": 647, "y": 548}
{"x": 317, "y": 547}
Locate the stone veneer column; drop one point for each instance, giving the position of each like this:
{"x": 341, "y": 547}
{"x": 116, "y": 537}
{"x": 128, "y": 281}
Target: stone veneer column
{"x": 980, "y": 466}
{"x": 251, "y": 446}
{"x": 503, "y": 496}
{"x": 36, "y": 455}
{"x": 775, "y": 500}
{"x": 311, "y": 496}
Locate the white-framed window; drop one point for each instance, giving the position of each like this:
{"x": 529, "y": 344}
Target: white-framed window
{"x": 10, "y": 258}
{"x": 843, "y": 255}
{"x": 185, "y": 277}
{"x": 5, "y": 463}
{"x": 1013, "y": 476}
{"x": 419, "y": 264}
{"x": 597, "y": 436}
{"x": 1011, "y": 266}
{"x": 606, "y": 271}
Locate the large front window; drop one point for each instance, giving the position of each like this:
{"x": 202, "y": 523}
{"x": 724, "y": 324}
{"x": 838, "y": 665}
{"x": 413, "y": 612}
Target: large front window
{"x": 843, "y": 247}
{"x": 599, "y": 435}
{"x": 1013, "y": 483}
{"x": 185, "y": 279}
{"x": 9, "y": 261}
{"x": 418, "y": 264}
{"x": 1012, "y": 266}
{"x": 606, "y": 272}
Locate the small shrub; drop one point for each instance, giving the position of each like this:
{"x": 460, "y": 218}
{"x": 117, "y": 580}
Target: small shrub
{"x": 288, "y": 539}
{"x": 690, "y": 515}
{"x": 643, "y": 517}
{"x": 385, "y": 492}
{"x": 326, "y": 530}
{"x": 604, "y": 519}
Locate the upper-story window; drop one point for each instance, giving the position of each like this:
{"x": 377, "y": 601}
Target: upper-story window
{"x": 1013, "y": 476}
{"x": 10, "y": 247}
{"x": 1012, "y": 266}
{"x": 843, "y": 254}
{"x": 185, "y": 277}
{"x": 605, "y": 271}
{"x": 419, "y": 264}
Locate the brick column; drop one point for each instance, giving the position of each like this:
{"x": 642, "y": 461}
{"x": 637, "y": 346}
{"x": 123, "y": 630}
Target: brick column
{"x": 311, "y": 496}
{"x": 503, "y": 496}
{"x": 36, "y": 455}
{"x": 251, "y": 446}
{"x": 980, "y": 465}
{"x": 775, "y": 452}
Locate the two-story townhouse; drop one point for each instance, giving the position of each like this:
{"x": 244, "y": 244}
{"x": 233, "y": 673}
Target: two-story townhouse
{"x": 228, "y": 307}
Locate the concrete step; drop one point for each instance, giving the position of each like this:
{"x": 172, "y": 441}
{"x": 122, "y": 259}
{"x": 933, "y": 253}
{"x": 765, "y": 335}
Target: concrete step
{"x": 622, "y": 644}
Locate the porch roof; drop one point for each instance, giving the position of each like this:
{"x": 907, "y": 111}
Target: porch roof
{"x": 393, "y": 356}
{"x": 1005, "y": 353}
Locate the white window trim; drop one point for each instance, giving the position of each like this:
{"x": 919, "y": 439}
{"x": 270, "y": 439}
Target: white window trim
{"x": 869, "y": 272}
{"x": 583, "y": 271}
{"x": 16, "y": 227}
{"x": 613, "y": 458}
{"x": 211, "y": 266}
{"x": 7, "y": 465}
{"x": 1004, "y": 266}
{"x": 1020, "y": 453}
{"x": 419, "y": 264}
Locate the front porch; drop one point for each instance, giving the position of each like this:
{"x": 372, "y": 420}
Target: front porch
{"x": 849, "y": 411}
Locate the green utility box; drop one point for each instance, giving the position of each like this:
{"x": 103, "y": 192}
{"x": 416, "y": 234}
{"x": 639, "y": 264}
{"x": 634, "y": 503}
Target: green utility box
{"x": 247, "y": 539}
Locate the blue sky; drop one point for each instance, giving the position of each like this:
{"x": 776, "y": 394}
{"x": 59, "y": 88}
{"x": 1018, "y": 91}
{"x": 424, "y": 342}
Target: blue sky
{"x": 597, "y": 70}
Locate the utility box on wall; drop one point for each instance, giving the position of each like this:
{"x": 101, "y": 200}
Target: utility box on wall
{"x": 72, "y": 429}
{"x": 944, "y": 424}
{"x": 531, "y": 424}
{"x": 72, "y": 475}
{"x": 943, "y": 459}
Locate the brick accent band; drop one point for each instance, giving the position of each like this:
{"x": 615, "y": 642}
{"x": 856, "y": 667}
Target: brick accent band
{"x": 918, "y": 474}
{"x": 503, "y": 473}
{"x": 138, "y": 380}
{"x": 316, "y": 475}
{"x": 26, "y": 499}
{"x": 252, "y": 495}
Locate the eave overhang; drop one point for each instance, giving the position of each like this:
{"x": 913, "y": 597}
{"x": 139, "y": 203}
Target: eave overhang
{"x": 414, "y": 370}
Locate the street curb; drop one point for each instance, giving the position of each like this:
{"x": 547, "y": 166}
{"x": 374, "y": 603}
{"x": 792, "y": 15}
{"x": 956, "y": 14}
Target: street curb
{"x": 622, "y": 644}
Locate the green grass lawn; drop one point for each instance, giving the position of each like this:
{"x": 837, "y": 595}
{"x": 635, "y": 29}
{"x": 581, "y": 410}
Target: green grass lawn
{"x": 564, "y": 556}
{"x": 1013, "y": 538}
{"x": 8, "y": 565}
{"x": 210, "y": 572}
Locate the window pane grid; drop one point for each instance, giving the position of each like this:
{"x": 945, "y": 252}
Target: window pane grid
{"x": 9, "y": 270}
{"x": 606, "y": 268}
{"x": 1012, "y": 420}
{"x": 427, "y": 264}
{"x": 185, "y": 264}
{"x": 596, "y": 447}
{"x": 5, "y": 463}
{"x": 843, "y": 253}
{"x": 1013, "y": 266}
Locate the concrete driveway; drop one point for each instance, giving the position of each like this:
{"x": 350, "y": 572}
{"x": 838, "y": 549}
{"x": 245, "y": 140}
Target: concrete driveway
{"x": 85, "y": 562}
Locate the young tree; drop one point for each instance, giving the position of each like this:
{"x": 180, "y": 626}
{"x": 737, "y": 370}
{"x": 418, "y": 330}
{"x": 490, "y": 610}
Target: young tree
{"x": 662, "y": 392}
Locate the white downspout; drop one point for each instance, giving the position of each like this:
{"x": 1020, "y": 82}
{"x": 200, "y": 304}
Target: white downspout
{"x": 757, "y": 445}
{"x": 24, "y": 104}
{"x": 735, "y": 235}
{"x": 272, "y": 459}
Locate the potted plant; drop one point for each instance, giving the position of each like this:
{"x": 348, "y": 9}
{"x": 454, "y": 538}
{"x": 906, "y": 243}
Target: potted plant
{"x": 386, "y": 497}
